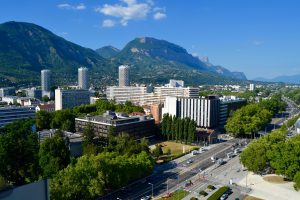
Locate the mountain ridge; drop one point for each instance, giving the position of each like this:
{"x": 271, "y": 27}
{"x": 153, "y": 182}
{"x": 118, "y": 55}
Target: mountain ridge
{"x": 291, "y": 79}
{"x": 26, "y": 48}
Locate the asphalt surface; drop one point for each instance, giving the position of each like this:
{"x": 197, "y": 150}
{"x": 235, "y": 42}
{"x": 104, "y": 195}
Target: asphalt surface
{"x": 172, "y": 174}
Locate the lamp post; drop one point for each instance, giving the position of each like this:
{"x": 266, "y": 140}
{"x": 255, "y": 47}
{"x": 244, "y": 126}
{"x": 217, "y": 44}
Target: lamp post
{"x": 168, "y": 186}
{"x": 152, "y": 188}
{"x": 118, "y": 198}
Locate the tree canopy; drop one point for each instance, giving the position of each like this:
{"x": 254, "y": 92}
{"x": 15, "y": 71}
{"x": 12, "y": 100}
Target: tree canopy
{"x": 19, "y": 153}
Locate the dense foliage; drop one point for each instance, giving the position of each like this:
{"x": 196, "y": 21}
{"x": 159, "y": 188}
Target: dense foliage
{"x": 54, "y": 155}
{"x": 19, "y": 153}
{"x": 175, "y": 128}
{"x": 292, "y": 93}
{"x": 253, "y": 117}
{"x": 91, "y": 175}
{"x": 274, "y": 152}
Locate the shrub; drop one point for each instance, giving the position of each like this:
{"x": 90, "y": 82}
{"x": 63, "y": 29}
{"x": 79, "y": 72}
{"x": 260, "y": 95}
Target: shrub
{"x": 203, "y": 193}
{"x": 211, "y": 187}
{"x": 193, "y": 198}
{"x": 218, "y": 193}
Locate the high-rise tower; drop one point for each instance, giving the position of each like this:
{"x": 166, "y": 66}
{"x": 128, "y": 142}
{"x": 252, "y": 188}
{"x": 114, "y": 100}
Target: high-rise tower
{"x": 46, "y": 80}
{"x": 83, "y": 79}
{"x": 124, "y": 76}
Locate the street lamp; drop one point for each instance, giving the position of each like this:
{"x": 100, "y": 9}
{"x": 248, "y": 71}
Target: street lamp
{"x": 118, "y": 198}
{"x": 152, "y": 188}
{"x": 168, "y": 186}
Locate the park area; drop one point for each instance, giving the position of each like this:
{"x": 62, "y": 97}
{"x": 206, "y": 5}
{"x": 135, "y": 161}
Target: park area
{"x": 172, "y": 150}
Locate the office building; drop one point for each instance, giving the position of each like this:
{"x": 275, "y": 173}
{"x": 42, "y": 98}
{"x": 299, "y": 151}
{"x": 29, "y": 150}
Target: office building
{"x": 252, "y": 87}
{"x": 83, "y": 79}
{"x": 13, "y": 113}
{"x": 204, "y": 111}
{"x": 34, "y": 93}
{"x": 69, "y": 98}
{"x": 46, "y": 80}
{"x": 227, "y": 105}
{"x": 124, "y": 76}
{"x": 7, "y": 91}
{"x": 116, "y": 123}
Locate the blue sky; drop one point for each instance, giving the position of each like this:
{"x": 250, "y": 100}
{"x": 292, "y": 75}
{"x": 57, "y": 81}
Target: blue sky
{"x": 258, "y": 37}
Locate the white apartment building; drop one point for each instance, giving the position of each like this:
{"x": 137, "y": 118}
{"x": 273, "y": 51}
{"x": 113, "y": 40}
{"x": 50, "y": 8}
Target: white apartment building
{"x": 204, "y": 111}
{"x": 147, "y": 95}
{"x": 124, "y": 76}
{"x": 69, "y": 98}
{"x": 83, "y": 79}
{"x": 252, "y": 87}
{"x": 46, "y": 80}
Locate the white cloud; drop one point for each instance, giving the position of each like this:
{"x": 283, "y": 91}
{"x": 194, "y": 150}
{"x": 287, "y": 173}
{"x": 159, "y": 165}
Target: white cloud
{"x": 108, "y": 23}
{"x": 159, "y": 15}
{"x": 257, "y": 43}
{"x": 67, "y": 6}
{"x": 126, "y": 10}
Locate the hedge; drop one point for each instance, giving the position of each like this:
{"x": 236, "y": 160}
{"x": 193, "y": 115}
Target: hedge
{"x": 218, "y": 193}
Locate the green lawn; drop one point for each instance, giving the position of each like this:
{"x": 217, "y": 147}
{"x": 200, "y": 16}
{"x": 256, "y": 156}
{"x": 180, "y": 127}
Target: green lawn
{"x": 177, "y": 195}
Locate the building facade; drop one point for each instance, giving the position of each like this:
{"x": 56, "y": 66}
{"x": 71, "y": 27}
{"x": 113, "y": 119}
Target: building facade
{"x": 252, "y": 87}
{"x": 7, "y": 91}
{"x": 227, "y": 105}
{"x": 34, "y": 93}
{"x": 69, "y": 98}
{"x": 204, "y": 111}
{"x": 124, "y": 76}
{"x": 83, "y": 79}
{"x": 112, "y": 123}
{"x": 14, "y": 113}
{"x": 147, "y": 95}
{"x": 46, "y": 80}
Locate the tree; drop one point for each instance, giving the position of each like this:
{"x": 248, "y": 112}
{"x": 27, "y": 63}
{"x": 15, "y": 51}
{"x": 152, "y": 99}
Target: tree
{"x": 84, "y": 180}
{"x": 64, "y": 120}
{"x": 54, "y": 155}
{"x": 297, "y": 181}
{"x": 19, "y": 153}
{"x": 45, "y": 98}
{"x": 157, "y": 151}
{"x": 191, "y": 131}
{"x": 254, "y": 157}
{"x": 43, "y": 120}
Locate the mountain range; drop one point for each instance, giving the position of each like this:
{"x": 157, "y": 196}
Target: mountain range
{"x": 292, "y": 79}
{"x": 26, "y": 48}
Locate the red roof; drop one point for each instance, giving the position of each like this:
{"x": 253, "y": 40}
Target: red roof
{"x": 46, "y": 106}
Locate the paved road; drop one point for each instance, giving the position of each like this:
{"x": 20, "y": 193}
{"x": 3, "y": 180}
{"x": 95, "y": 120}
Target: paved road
{"x": 172, "y": 174}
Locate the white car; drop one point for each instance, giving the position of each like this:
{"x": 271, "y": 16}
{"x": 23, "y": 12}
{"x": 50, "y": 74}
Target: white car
{"x": 145, "y": 198}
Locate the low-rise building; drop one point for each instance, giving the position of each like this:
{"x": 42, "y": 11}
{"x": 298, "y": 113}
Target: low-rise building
{"x": 13, "y": 113}
{"x": 48, "y": 107}
{"x": 69, "y": 98}
{"x": 7, "y": 91}
{"x": 113, "y": 123}
{"x": 34, "y": 93}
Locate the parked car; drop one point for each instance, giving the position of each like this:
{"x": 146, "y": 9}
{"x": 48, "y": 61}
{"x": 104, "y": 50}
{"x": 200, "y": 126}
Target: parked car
{"x": 146, "y": 198}
{"x": 189, "y": 161}
{"x": 224, "y": 196}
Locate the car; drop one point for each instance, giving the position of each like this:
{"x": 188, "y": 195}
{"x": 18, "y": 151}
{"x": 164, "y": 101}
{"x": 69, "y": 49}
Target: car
{"x": 146, "y": 198}
{"x": 224, "y": 196}
{"x": 189, "y": 161}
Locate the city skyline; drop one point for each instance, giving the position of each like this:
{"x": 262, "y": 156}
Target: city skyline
{"x": 247, "y": 36}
